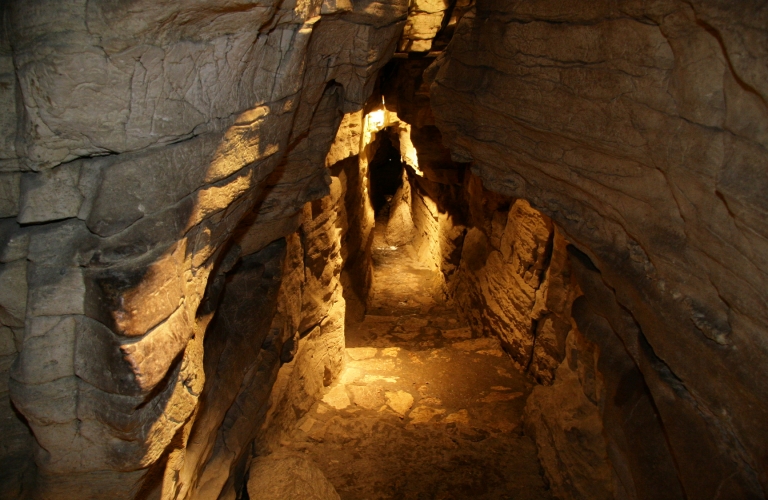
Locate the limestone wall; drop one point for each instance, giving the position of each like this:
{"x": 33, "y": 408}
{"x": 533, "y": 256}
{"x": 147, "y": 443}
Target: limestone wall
{"x": 517, "y": 273}
{"x": 277, "y": 334}
{"x": 175, "y": 239}
{"x": 142, "y": 142}
{"x": 513, "y": 275}
{"x": 639, "y": 129}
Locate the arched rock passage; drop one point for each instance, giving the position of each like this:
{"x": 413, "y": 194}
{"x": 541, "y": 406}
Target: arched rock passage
{"x": 186, "y": 226}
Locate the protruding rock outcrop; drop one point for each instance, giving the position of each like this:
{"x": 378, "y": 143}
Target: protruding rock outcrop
{"x": 186, "y": 223}
{"x": 147, "y": 148}
{"x": 639, "y": 129}
{"x": 400, "y": 223}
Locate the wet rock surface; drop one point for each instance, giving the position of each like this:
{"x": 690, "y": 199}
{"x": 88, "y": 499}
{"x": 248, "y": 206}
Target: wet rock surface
{"x": 422, "y": 409}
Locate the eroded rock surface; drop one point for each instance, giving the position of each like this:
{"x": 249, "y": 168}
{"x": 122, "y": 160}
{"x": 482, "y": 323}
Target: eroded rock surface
{"x": 422, "y": 409}
{"x": 152, "y": 147}
{"x": 639, "y": 128}
{"x": 400, "y": 222}
{"x": 179, "y": 249}
{"x": 286, "y": 475}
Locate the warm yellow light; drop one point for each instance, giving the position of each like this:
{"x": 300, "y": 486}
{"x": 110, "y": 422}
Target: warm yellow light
{"x": 407, "y": 150}
{"x": 374, "y": 121}
{"x": 377, "y": 119}
{"x": 381, "y": 118}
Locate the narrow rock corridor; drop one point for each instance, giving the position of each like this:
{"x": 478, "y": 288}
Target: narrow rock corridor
{"x": 422, "y": 410}
{"x": 383, "y": 249}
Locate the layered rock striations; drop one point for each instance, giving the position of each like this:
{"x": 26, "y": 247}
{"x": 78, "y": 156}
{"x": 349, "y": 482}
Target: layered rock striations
{"x": 504, "y": 264}
{"x": 186, "y": 225}
{"x": 151, "y": 153}
{"x": 639, "y": 129}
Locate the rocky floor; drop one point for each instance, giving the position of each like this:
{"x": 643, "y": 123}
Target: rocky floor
{"x": 422, "y": 410}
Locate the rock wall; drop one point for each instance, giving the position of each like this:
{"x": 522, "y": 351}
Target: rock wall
{"x": 277, "y": 336}
{"x": 501, "y": 276}
{"x": 639, "y": 129}
{"x": 169, "y": 214}
{"x": 141, "y": 144}
{"x": 400, "y": 226}
{"x": 504, "y": 264}
{"x": 255, "y": 317}
{"x": 333, "y": 271}
{"x": 508, "y": 271}
{"x": 288, "y": 476}
{"x": 505, "y": 267}
{"x": 16, "y": 468}
{"x": 439, "y": 232}
{"x": 425, "y": 18}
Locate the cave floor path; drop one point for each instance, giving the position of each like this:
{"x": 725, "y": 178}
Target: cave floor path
{"x": 422, "y": 410}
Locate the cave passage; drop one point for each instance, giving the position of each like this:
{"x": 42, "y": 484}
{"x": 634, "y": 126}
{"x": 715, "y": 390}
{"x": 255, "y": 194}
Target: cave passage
{"x": 386, "y": 175}
{"x": 402, "y": 249}
{"x": 421, "y": 409}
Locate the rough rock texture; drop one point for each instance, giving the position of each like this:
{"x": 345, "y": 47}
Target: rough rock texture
{"x": 501, "y": 274}
{"x": 9, "y": 159}
{"x": 254, "y": 397}
{"x": 338, "y": 235}
{"x": 640, "y": 129}
{"x": 425, "y": 18}
{"x": 400, "y": 223}
{"x": 151, "y": 145}
{"x": 504, "y": 264}
{"x": 506, "y": 268}
{"x": 164, "y": 194}
{"x": 421, "y": 409}
{"x": 439, "y": 233}
{"x": 351, "y": 153}
{"x": 315, "y": 357}
{"x": 566, "y": 423}
{"x": 16, "y": 468}
{"x": 243, "y": 347}
{"x": 288, "y": 475}
{"x": 16, "y": 442}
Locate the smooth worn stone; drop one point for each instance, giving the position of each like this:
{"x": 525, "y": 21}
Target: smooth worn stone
{"x": 51, "y": 194}
{"x": 424, "y": 414}
{"x": 337, "y": 397}
{"x": 56, "y": 291}
{"x": 14, "y": 241}
{"x": 9, "y": 194}
{"x": 7, "y": 343}
{"x": 399, "y": 401}
{"x": 13, "y": 293}
{"x": 368, "y": 397}
{"x": 99, "y": 360}
{"x": 49, "y": 350}
{"x": 8, "y": 118}
{"x": 360, "y": 353}
{"x": 136, "y": 297}
{"x": 66, "y": 243}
